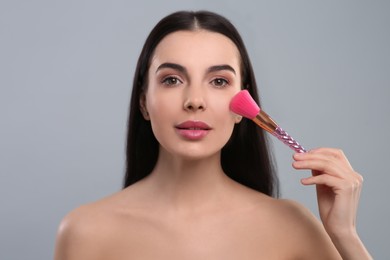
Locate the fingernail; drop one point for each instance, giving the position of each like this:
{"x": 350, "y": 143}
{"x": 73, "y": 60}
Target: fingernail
{"x": 298, "y": 155}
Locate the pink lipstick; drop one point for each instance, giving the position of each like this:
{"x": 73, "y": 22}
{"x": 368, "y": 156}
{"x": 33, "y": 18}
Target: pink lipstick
{"x": 193, "y": 130}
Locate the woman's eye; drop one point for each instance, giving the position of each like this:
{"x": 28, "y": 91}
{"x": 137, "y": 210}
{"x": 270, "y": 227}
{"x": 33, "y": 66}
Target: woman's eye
{"x": 171, "y": 81}
{"x": 219, "y": 82}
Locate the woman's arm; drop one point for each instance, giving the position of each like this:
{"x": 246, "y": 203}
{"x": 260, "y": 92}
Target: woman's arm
{"x": 338, "y": 190}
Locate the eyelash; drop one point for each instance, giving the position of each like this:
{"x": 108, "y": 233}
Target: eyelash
{"x": 168, "y": 81}
{"x": 225, "y": 82}
{"x": 173, "y": 81}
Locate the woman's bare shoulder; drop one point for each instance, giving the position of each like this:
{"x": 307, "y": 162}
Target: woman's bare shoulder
{"x": 296, "y": 225}
{"x": 87, "y": 230}
{"x": 290, "y": 209}
{"x": 277, "y": 212}
{"x": 275, "y": 207}
{"x": 284, "y": 215}
{"x": 77, "y": 235}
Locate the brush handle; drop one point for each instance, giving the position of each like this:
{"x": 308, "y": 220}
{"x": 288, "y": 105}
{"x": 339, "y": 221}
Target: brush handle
{"x": 288, "y": 140}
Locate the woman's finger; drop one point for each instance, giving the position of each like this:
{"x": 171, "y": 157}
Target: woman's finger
{"x": 323, "y": 179}
{"x": 331, "y": 153}
{"x": 351, "y": 185}
{"x": 323, "y": 166}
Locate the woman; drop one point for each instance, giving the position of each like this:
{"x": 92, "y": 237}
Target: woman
{"x": 199, "y": 182}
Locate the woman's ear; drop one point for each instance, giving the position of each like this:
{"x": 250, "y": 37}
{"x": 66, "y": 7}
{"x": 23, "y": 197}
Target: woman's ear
{"x": 142, "y": 107}
{"x": 238, "y": 119}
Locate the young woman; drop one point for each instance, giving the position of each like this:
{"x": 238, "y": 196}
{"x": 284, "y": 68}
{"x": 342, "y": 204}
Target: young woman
{"x": 199, "y": 181}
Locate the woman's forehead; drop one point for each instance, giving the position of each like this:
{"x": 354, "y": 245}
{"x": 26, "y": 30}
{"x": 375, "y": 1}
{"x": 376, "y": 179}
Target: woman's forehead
{"x": 199, "y": 46}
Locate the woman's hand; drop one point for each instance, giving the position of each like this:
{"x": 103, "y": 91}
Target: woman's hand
{"x": 338, "y": 191}
{"x": 338, "y": 187}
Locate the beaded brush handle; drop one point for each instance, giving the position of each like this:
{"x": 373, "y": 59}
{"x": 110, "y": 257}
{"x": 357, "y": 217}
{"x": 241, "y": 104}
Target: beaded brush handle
{"x": 288, "y": 140}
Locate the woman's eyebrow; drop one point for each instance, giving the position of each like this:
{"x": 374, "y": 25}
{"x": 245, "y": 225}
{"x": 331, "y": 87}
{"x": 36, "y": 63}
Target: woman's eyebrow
{"x": 221, "y": 67}
{"x": 174, "y": 66}
{"x": 183, "y": 70}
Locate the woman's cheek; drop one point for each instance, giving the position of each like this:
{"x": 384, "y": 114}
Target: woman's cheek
{"x": 159, "y": 105}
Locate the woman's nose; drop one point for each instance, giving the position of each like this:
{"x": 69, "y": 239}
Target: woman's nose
{"x": 194, "y": 101}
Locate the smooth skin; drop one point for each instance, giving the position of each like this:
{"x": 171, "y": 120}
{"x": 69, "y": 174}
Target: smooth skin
{"x": 187, "y": 208}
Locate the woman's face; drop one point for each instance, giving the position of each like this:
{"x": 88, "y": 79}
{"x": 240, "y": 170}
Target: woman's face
{"x": 192, "y": 78}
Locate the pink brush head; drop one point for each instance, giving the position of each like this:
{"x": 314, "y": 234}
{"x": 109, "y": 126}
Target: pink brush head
{"x": 244, "y": 105}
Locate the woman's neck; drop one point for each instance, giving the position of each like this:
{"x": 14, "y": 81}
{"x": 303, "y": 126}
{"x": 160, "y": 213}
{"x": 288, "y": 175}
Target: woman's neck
{"x": 187, "y": 184}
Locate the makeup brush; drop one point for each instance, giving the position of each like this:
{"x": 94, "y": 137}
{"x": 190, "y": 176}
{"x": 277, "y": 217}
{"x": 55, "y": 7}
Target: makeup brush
{"x": 244, "y": 105}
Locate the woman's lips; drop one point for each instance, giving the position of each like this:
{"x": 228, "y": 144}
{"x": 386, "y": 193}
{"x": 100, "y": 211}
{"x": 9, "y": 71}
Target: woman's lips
{"x": 193, "y": 130}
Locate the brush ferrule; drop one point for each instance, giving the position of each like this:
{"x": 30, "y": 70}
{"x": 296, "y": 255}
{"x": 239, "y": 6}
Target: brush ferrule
{"x": 263, "y": 120}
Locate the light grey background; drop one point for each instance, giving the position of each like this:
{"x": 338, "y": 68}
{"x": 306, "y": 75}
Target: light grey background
{"x": 66, "y": 69}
